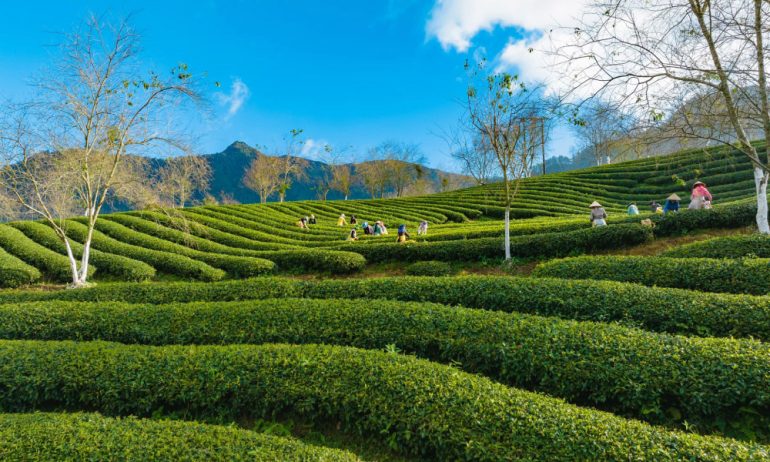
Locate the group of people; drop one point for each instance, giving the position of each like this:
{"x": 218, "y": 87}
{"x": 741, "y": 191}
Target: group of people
{"x": 305, "y": 221}
{"x": 700, "y": 198}
{"x": 378, "y": 228}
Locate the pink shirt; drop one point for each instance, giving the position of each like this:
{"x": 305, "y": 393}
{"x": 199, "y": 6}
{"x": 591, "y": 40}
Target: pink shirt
{"x": 700, "y": 191}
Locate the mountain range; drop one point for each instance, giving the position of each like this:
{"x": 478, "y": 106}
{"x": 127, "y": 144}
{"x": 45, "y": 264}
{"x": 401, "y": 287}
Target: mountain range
{"x": 228, "y": 168}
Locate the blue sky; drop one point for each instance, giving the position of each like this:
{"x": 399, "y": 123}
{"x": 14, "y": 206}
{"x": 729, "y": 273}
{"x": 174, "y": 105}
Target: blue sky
{"x": 348, "y": 72}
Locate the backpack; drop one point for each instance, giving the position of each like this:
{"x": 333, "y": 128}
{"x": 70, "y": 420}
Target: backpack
{"x": 401, "y": 229}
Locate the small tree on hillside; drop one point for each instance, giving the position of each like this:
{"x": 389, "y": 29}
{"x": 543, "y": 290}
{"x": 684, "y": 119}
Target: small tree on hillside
{"x": 400, "y": 164}
{"x": 475, "y": 155}
{"x": 658, "y": 57}
{"x": 180, "y": 178}
{"x": 374, "y": 176}
{"x": 291, "y": 167}
{"x": 342, "y": 179}
{"x": 500, "y": 109}
{"x": 263, "y": 176}
{"x": 70, "y": 150}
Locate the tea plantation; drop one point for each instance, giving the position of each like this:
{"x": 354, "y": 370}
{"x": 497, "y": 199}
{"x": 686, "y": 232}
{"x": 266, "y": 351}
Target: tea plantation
{"x": 231, "y": 333}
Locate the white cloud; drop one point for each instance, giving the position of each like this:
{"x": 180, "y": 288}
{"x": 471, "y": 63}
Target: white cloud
{"x": 539, "y": 24}
{"x": 313, "y": 149}
{"x": 239, "y": 93}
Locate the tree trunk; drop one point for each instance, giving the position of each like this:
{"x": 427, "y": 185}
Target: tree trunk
{"x": 507, "y": 243}
{"x": 346, "y": 197}
{"x": 281, "y": 197}
{"x": 760, "y": 181}
{"x": 73, "y": 264}
{"x": 86, "y": 256}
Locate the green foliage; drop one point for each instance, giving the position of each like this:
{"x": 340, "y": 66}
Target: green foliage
{"x": 78, "y": 436}
{"x": 14, "y": 272}
{"x": 419, "y": 407}
{"x": 54, "y": 265}
{"x": 742, "y": 276}
{"x": 121, "y": 267}
{"x": 653, "y": 308}
{"x": 754, "y": 245}
{"x": 429, "y": 268}
{"x": 582, "y": 362}
{"x": 529, "y": 246}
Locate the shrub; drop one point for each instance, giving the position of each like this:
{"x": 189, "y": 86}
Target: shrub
{"x": 653, "y": 308}
{"x": 14, "y": 272}
{"x": 53, "y": 265}
{"x": 528, "y": 246}
{"x": 580, "y": 361}
{"x": 51, "y": 436}
{"x": 166, "y": 262}
{"x": 333, "y": 261}
{"x": 420, "y": 407}
{"x": 749, "y": 276}
{"x": 754, "y": 245}
{"x": 122, "y": 267}
{"x": 429, "y": 268}
{"x": 732, "y": 216}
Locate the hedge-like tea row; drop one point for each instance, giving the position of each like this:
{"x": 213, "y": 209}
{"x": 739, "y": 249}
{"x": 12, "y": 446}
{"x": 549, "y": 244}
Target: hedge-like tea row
{"x": 420, "y": 407}
{"x": 655, "y": 309}
{"x": 731, "y": 216}
{"x": 14, "y": 272}
{"x": 52, "y": 264}
{"x": 753, "y": 245}
{"x": 528, "y": 246}
{"x": 745, "y": 276}
{"x": 333, "y": 261}
{"x": 583, "y": 362}
{"x": 80, "y": 437}
{"x": 166, "y": 262}
{"x": 239, "y": 266}
{"x": 115, "y": 265}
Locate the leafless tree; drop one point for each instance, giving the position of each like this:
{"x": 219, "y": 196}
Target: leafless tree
{"x": 70, "y": 150}
{"x": 475, "y": 156}
{"x": 291, "y": 167}
{"x": 603, "y": 130}
{"x": 180, "y": 178}
{"x": 342, "y": 178}
{"x": 263, "y": 176}
{"x": 500, "y": 109}
{"x": 656, "y": 57}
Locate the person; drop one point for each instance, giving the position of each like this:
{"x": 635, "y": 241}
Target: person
{"x": 633, "y": 209}
{"x": 377, "y": 228}
{"x": 402, "y": 234}
{"x": 598, "y": 215}
{"x": 341, "y": 221}
{"x": 423, "y": 228}
{"x": 353, "y": 235}
{"x": 365, "y": 226}
{"x": 383, "y": 228}
{"x": 700, "y": 197}
{"x": 655, "y": 207}
{"x": 353, "y": 220}
{"x": 301, "y": 223}
{"x": 671, "y": 204}
{"x": 312, "y": 220}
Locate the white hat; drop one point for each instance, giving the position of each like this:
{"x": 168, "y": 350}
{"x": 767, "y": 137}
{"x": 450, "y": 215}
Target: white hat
{"x": 674, "y": 197}
{"x": 595, "y": 204}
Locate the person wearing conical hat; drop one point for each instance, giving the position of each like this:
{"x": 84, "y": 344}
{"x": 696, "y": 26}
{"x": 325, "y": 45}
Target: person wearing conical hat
{"x": 341, "y": 221}
{"x": 598, "y": 215}
{"x": 672, "y": 204}
{"x": 700, "y": 197}
{"x": 633, "y": 209}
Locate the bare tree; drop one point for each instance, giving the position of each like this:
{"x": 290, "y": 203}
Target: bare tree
{"x": 374, "y": 176}
{"x": 291, "y": 167}
{"x": 263, "y": 176}
{"x": 180, "y": 178}
{"x": 70, "y": 150}
{"x": 342, "y": 179}
{"x": 603, "y": 130}
{"x": 500, "y": 109}
{"x": 655, "y": 56}
{"x": 401, "y": 163}
{"x": 476, "y": 157}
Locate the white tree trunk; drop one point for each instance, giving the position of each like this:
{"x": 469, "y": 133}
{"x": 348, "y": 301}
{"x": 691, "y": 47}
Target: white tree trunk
{"x": 507, "y": 243}
{"x": 86, "y": 256}
{"x": 346, "y": 197}
{"x": 760, "y": 181}
{"x": 73, "y": 264}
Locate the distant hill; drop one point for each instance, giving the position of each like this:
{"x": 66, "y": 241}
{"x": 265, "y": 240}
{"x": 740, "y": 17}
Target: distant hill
{"x": 228, "y": 168}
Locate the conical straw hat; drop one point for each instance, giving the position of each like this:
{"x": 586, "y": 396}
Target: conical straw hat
{"x": 674, "y": 197}
{"x": 697, "y": 183}
{"x": 595, "y": 204}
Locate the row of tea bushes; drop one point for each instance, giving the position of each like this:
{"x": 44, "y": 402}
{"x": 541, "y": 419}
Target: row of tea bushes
{"x": 81, "y": 437}
{"x": 421, "y": 408}
{"x": 652, "y": 308}
{"x": 700, "y": 380}
{"x": 741, "y": 276}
